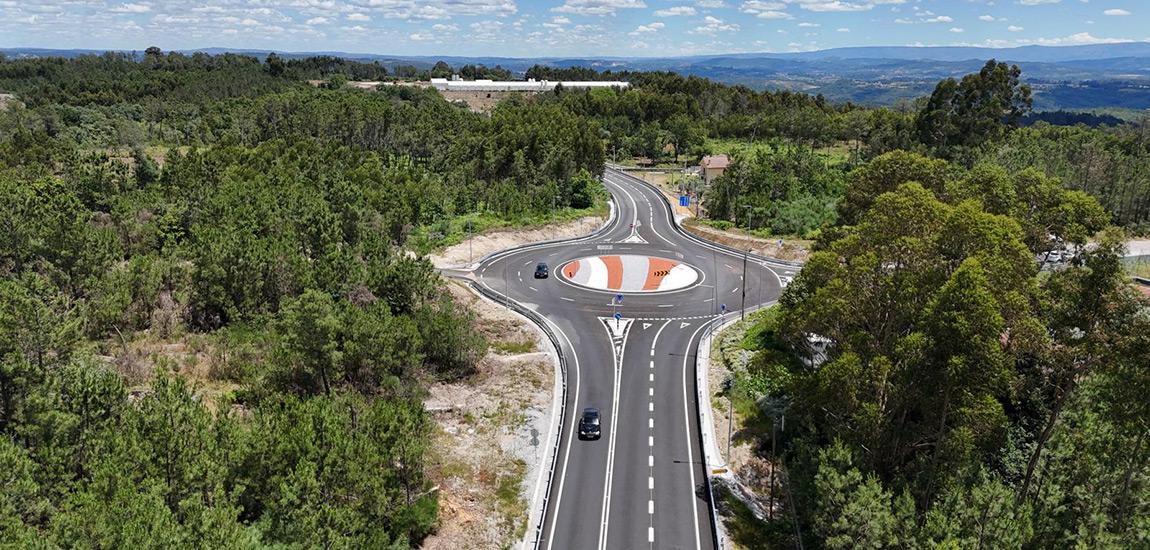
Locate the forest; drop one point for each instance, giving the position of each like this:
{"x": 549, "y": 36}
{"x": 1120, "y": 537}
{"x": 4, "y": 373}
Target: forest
{"x": 223, "y": 215}
{"x": 218, "y": 214}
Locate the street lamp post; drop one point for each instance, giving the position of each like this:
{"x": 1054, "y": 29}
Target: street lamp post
{"x": 743, "y": 311}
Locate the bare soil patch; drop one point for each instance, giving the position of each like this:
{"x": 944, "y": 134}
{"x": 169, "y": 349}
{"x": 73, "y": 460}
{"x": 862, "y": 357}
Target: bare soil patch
{"x": 491, "y": 433}
{"x": 793, "y": 250}
{"x": 472, "y": 250}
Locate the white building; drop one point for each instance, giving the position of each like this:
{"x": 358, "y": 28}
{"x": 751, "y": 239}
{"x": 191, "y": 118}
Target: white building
{"x": 530, "y": 85}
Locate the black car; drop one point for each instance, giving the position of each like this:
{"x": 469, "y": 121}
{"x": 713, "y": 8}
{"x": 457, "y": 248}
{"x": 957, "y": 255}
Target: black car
{"x": 541, "y": 270}
{"x": 589, "y": 426}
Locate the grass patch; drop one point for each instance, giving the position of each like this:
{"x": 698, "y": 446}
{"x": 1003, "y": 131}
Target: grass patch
{"x": 838, "y": 153}
{"x": 513, "y": 348}
{"x": 1138, "y": 268}
{"x": 448, "y": 232}
{"x": 510, "y": 503}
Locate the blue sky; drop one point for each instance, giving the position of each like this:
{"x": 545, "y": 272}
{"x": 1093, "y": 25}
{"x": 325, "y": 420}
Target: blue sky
{"x": 532, "y": 28}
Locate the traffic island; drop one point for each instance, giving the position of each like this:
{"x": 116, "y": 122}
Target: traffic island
{"x": 630, "y": 273}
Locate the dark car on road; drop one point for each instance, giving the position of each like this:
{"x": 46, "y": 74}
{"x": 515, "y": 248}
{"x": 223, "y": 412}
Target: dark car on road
{"x": 589, "y": 425}
{"x": 541, "y": 270}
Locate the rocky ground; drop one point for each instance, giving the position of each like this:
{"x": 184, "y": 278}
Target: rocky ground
{"x": 492, "y": 433}
{"x": 745, "y": 498}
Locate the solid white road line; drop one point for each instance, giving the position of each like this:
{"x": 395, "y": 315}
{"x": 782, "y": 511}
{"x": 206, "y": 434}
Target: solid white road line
{"x": 570, "y": 437}
{"x": 605, "y": 517}
{"x": 650, "y": 461}
{"x": 687, "y": 427}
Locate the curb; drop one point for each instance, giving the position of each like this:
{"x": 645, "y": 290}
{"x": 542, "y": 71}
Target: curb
{"x": 712, "y": 456}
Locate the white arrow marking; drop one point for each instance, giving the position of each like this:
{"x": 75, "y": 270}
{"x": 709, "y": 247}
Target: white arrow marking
{"x": 646, "y": 326}
{"x": 683, "y": 324}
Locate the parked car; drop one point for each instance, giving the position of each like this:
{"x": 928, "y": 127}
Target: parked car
{"x": 589, "y": 424}
{"x": 541, "y": 270}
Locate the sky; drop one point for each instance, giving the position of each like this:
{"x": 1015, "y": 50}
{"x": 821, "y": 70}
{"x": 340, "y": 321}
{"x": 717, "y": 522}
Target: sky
{"x": 540, "y": 28}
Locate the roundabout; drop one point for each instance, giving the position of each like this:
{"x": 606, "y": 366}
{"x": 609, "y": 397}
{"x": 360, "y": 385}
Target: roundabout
{"x": 629, "y": 273}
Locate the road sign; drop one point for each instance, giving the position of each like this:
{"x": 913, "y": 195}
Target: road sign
{"x": 619, "y": 298}
{"x": 684, "y": 200}
{"x": 618, "y": 316}
{"x": 723, "y": 308}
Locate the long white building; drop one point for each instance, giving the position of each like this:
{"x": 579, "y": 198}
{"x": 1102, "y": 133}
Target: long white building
{"x": 531, "y": 85}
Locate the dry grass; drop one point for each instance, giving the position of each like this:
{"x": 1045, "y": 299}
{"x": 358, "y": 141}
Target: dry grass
{"x": 483, "y": 439}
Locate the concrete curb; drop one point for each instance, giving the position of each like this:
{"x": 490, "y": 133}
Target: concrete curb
{"x": 712, "y": 455}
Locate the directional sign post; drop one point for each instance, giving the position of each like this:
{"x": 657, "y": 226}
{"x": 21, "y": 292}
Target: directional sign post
{"x": 684, "y": 200}
{"x": 615, "y": 309}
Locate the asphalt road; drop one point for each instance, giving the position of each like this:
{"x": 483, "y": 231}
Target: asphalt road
{"x": 643, "y": 484}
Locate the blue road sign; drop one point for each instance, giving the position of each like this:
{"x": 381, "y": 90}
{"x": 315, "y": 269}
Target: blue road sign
{"x": 619, "y": 298}
{"x": 618, "y": 315}
{"x": 723, "y": 307}
{"x": 684, "y": 200}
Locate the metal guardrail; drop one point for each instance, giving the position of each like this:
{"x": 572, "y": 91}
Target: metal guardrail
{"x": 545, "y": 327}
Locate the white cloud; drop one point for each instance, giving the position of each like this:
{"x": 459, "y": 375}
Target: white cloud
{"x": 940, "y": 19}
{"x": 1077, "y": 38}
{"x": 358, "y": 17}
{"x": 808, "y": 24}
{"x": 440, "y": 27}
{"x": 560, "y": 20}
{"x": 132, "y": 8}
{"x": 421, "y": 37}
{"x": 597, "y": 7}
{"x": 843, "y": 29}
{"x": 653, "y": 27}
{"x": 1015, "y": 28}
{"x": 714, "y": 25}
{"x": 987, "y": 18}
{"x": 835, "y": 5}
{"x": 318, "y": 21}
{"x": 957, "y": 29}
{"x": 1116, "y": 12}
{"x": 675, "y": 11}
{"x": 1037, "y": 2}
{"x": 711, "y": 4}
{"x": 765, "y": 9}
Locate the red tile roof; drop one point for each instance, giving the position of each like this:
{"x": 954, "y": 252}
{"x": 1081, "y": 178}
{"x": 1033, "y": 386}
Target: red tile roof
{"x": 716, "y": 161}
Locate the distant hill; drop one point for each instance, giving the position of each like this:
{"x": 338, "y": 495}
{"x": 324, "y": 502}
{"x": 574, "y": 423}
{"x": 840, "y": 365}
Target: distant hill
{"x": 1113, "y": 76}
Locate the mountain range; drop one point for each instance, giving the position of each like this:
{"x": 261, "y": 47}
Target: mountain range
{"x": 1085, "y": 77}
